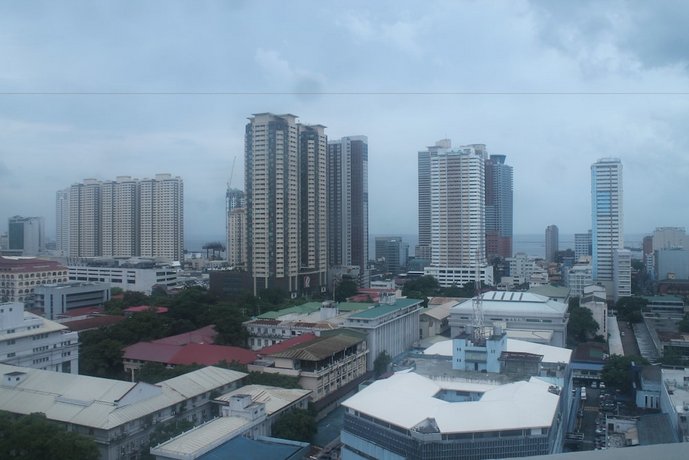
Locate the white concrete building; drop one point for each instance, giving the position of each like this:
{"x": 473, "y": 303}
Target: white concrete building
{"x": 622, "y": 273}
{"x": 578, "y": 277}
{"x": 56, "y": 299}
{"x": 19, "y": 276}
{"x": 28, "y": 340}
{"x": 670, "y": 238}
{"x": 674, "y": 400}
{"x": 459, "y": 276}
{"x": 392, "y": 326}
{"x": 607, "y": 216}
{"x": 26, "y": 234}
{"x": 521, "y": 315}
{"x": 522, "y": 268}
{"x": 62, "y": 222}
{"x": 127, "y": 279}
{"x": 413, "y": 417}
{"x": 119, "y": 416}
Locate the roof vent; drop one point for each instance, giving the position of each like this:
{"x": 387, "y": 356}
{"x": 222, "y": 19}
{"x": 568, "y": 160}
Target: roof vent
{"x": 12, "y": 379}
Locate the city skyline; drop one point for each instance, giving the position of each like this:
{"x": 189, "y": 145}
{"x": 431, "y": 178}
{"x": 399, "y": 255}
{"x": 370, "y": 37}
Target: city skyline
{"x": 609, "y": 82}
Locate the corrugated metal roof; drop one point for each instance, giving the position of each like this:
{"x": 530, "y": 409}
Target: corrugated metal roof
{"x": 320, "y": 348}
{"x": 92, "y": 401}
{"x": 274, "y": 398}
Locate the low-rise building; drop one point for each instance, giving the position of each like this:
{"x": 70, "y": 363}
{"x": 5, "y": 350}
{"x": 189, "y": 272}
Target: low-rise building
{"x": 392, "y": 326}
{"x": 578, "y": 277}
{"x": 126, "y": 278}
{"x": 119, "y": 416}
{"x": 435, "y": 319}
{"x": 594, "y": 299}
{"x": 674, "y": 401}
{"x": 459, "y": 276}
{"x": 28, "y": 340}
{"x": 521, "y": 315}
{"x": 19, "y": 276}
{"x": 56, "y": 299}
{"x": 322, "y": 364}
{"x": 414, "y": 417}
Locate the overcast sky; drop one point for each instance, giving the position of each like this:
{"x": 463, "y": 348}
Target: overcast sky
{"x": 554, "y": 85}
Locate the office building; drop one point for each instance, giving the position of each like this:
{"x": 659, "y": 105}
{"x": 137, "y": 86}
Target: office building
{"x": 578, "y": 277}
{"x": 670, "y": 238}
{"x": 286, "y": 197}
{"x": 607, "y": 234}
{"x": 126, "y": 278}
{"x": 26, "y": 234}
{"x": 236, "y": 227}
{"x": 127, "y": 217}
{"x": 19, "y": 276}
{"x": 119, "y": 416}
{"x": 31, "y": 341}
{"x": 56, "y": 299}
{"x": 499, "y": 208}
{"x": 388, "y": 253}
{"x": 348, "y": 205}
{"x": 62, "y": 222}
{"x": 582, "y": 245}
{"x": 552, "y": 242}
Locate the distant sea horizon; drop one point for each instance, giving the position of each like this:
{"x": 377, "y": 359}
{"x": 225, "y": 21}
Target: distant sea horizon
{"x": 532, "y": 244}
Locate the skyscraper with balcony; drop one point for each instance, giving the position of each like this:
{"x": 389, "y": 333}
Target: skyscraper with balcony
{"x": 498, "y": 208}
{"x": 286, "y": 203}
{"x": 236, "y": 227}
{"x": 552, "y": 242}
{"x": 127, "y": 217}
{"x": 423, "y": 249}
{"x": 348, "y": 204}
{"x": 457, "y": 213}
{"x": 607, "y": 231}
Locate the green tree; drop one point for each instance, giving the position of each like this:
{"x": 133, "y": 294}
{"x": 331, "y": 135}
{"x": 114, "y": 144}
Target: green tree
{"x": 630, "y": 308}
{"x": 35, "y": 437}
{"x": 683, "y": 325}
{"x": 581, "y": 326}
{"x": 617, "y": 371}
{"x": 345, "y": 289}
{"x": 381, "y": 363}
{"x": 155, "y": 372}
{"x": 297, "y": 425}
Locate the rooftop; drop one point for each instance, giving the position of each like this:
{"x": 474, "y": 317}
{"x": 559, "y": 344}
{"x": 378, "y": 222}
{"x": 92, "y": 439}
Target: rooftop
{"x": 322, "y": 347}
{"x": 407, "y": 400}
{"x": 521, "y": 303}
{"x": 103, "y": 403}
{"x": 285, "y": 344}
{"x": 274, "y": 398}
{"x": 380, "y": 310}
{"x": 550, "y": 353}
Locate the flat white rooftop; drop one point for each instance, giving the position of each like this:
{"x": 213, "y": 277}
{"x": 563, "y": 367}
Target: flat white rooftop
{"x": 514, "y": 303}
{"x": 550, "y": 353}
{"x": 408, "y": 399}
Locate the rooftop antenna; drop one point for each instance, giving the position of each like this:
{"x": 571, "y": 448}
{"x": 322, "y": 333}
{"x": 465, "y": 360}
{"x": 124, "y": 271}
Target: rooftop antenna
{"x": 477, "y": 305}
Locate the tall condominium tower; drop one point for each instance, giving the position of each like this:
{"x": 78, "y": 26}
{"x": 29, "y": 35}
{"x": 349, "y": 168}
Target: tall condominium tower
{"x": 236, "y": 227}
{"x": 458, "y": 226}
{"x": 498, "y": 208}
{"x": 388, "y": 252}
{"x": 162, "y": 217}
{"x": 286, "y": 202}
{"x": 552, "y": 242}
{"x": 127, "y": 217}
{"x": 423, "y": 249}
{"x": 62, "y": 221}
{"x": 348, "y": 204}
{"x": 26, "y": 234}
{"x": 607, "y": 216}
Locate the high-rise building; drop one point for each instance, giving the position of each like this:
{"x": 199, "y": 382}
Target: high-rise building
{"x": 236, "y": 227}
{"x": 582, "y": 245}
{"x": 607, "y": 217}
{"x": 162, "y": 217}
{"x": 286, "y": 202}
{"x": 423, "y": 249}
{"x": 388, "y": 252}
{"x": 499, "y": 204}
{"x": 552, "y": 242}
{"x": 670, "y": 238}
{"x": 348, "y": 204}
{"x": 62, "y": 222}
{"x": 457, "y": 213}
{"x": 127, "y": 217}
{"x": 26, "y": 234}
{"x": 622, "y": 273}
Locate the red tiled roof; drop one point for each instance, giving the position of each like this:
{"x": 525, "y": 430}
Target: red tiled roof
{"x": 208, "y": 355}
{"x": 29, "y": 265}
{"x": 284, "y": 345}
{"x": 204, "y": 335}
{"x": 150, "y": 351}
